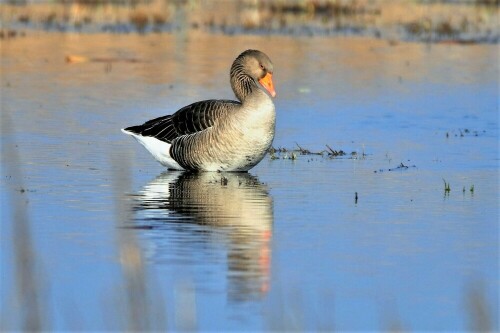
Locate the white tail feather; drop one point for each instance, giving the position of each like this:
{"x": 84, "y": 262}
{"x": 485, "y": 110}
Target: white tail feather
{"x": 159, "y": 149}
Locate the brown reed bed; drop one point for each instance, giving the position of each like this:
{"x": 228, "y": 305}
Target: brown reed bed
{"x": 415, "y": 21}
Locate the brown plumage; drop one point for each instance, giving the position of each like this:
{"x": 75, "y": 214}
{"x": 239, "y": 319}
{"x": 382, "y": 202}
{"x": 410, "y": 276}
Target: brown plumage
{"x": 218, "y": 135}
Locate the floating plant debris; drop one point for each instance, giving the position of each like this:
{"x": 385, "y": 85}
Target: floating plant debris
{"x": 465, "y": 132}
{"x": 400, "y": 167}
{"x": 292, "y": 154}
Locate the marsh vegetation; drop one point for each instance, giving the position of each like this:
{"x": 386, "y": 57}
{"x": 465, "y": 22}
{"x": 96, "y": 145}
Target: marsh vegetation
{"x": 456, "y": 22}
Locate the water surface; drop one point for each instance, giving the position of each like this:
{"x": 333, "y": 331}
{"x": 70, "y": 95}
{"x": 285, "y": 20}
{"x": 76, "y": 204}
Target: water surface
{"x": 286, "y": 246}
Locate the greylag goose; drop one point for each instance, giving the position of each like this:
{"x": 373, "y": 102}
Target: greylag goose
{"x": 218, "y": 135}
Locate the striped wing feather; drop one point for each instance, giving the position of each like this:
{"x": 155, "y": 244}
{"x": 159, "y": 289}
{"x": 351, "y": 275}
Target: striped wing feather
{"x": 190, "y": 119}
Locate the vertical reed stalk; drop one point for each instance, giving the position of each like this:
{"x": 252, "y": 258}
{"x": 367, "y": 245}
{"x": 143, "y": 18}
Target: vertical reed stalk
{"x": 26, "y": 279}
{"x": 144, "y": 312}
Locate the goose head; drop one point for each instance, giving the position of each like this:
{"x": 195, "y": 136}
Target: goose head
{"x": 249, "y": 68}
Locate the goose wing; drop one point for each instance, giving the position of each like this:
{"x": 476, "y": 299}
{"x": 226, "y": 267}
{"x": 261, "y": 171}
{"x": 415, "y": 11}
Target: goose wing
{"x": 190, "y": 119}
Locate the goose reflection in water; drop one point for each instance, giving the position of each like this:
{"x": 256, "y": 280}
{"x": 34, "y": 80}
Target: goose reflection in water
{"x": 235, "y": 205}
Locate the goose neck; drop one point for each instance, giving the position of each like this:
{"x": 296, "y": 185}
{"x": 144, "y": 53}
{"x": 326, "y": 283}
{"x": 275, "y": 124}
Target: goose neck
{"x": 243, "y": 85}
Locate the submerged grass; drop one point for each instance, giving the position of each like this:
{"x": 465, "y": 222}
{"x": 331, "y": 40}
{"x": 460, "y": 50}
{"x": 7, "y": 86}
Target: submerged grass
{"x": 447, "y": 187}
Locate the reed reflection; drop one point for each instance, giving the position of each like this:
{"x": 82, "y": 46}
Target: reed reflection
{"x": 235, "y": 205}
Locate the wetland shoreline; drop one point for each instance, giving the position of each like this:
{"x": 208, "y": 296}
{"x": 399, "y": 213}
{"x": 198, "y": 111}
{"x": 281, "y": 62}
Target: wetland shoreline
{"x": 392, "y": 20}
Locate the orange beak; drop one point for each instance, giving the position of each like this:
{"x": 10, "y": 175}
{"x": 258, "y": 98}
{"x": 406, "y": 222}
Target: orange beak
{"x": 267, "y": 83}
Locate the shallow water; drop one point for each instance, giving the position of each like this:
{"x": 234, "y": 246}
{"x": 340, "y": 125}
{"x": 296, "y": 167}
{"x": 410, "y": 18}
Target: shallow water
{"x": 286, "y": 246}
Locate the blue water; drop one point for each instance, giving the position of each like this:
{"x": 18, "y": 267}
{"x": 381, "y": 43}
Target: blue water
{"x": 285, "y": 247}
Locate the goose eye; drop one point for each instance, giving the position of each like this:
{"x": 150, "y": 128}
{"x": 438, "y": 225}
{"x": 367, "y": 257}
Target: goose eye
{"x": 262, "y": 67}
